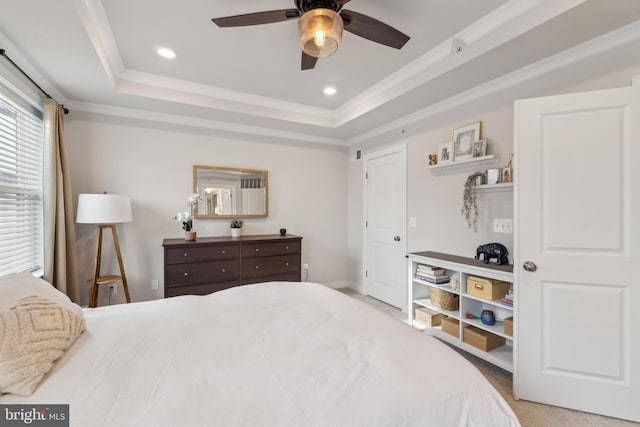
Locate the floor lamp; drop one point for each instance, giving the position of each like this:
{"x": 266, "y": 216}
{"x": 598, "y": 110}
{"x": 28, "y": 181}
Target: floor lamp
{"x": 106, "y": 210}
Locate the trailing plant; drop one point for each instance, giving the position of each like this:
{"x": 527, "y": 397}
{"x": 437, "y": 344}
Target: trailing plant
{"x": 469, "y": 205}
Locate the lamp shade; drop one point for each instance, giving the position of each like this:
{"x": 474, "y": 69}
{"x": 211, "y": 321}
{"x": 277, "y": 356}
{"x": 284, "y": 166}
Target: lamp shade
{"x": 103, "y": 209}
{"x": 320, "y": 32}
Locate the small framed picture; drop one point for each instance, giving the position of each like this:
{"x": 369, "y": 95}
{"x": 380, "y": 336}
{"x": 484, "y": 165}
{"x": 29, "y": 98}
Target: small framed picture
{"x": 493, "y": 176}
{"x": 480, "y": 148}
{"x": 506, "y": 175}
{"x": 463, "y": 139}
{"x": 445, "y": 153}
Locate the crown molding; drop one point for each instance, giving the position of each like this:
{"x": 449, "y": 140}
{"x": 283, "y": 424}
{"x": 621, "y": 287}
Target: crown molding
{"x": 593, "y": 48}
{"x": 94, "y": 20}
{"x": 607, "y": 42}
{"x": 510, "y": 20}
{"x": 170, "y": 89}
{"x": 503, "y": 24}
{"x": 16, "y": 56}
{"x": 178, "y": 120}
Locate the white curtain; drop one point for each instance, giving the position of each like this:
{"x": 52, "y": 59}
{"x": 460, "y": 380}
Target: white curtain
{"x": 60, "y": 264}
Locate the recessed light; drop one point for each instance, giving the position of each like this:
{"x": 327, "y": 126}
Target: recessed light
{"x": 329, "y": 90}
{"x": 166, "y": 53}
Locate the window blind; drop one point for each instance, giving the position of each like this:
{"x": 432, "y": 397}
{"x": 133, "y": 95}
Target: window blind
{"x": 21, "y": 152}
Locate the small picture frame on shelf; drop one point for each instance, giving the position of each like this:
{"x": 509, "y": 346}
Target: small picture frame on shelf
{"x": 445, "y": 153}
{"x": 463, "y": 139}
{"x": 505, "y": 176}
{"x": 480, "y": 148}
{"x": 493, "y": 176}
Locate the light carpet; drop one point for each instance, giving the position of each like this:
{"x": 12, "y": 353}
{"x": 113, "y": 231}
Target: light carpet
{"x": 530, "y": 414}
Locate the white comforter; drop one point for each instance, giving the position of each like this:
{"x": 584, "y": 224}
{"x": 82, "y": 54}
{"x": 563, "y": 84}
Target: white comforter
{"x": 274, "y": 354}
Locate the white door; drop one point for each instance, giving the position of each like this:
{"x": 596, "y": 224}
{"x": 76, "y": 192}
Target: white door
{"x": 385, "y": 182}
{"x": 577, "y": 213}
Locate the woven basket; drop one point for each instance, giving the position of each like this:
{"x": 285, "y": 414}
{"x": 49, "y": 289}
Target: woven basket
{"x": 444, "y": 300}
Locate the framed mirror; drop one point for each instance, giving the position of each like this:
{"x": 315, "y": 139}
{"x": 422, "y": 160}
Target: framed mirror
{"x": 230, "y": 192}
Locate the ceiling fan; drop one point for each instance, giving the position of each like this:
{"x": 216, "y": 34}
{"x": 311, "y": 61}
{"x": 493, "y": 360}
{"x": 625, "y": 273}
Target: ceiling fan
{"x": 320, "y": 26}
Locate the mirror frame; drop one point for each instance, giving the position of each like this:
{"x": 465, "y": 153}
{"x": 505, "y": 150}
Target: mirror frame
{"x": 220, "y": 168}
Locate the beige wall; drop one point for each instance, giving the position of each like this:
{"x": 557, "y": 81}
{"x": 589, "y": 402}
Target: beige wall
{"x": 152, "y": 164}
{"x": 315, "y": 191}
{"x": 435, "y": 198}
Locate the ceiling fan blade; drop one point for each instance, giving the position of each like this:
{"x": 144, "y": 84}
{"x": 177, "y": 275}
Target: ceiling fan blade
{"x": 257, "y": 18}
{"x": 372, "y": 29}
{"x": 341, "y": 3}
{"x": 308, "y": 62}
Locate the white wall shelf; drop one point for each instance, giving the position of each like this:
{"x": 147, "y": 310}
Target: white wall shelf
{"x": 505, "y": 186}
{"x": 476, "y": 161}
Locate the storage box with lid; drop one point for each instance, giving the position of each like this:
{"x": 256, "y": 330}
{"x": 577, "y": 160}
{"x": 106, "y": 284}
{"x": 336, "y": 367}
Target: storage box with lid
{"x": 488, "y": 289}
{"x": 428, "y": 317}
{"x": 482, "y": 339}
{"x": 451, "y": 326}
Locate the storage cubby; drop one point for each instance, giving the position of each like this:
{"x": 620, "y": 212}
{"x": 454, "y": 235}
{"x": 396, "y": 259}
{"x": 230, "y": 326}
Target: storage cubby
{"x": 459, "y": 269}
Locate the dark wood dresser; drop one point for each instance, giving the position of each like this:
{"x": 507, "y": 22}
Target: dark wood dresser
{"x": 212, "y": 264}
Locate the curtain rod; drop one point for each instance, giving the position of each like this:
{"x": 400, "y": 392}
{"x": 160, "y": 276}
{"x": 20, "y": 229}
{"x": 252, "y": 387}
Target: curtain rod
{"x": 3, "y": 53}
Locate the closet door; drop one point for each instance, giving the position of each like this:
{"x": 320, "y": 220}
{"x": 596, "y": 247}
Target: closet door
{"x": 577, "y": 246}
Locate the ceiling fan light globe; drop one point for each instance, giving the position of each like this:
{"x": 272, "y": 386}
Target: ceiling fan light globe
{"x": 320, "y": 32}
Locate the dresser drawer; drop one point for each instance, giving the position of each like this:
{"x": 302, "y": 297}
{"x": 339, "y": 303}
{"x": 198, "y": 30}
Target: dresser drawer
{"x": 191, "y": 254}
{"x": 202, "y": 272}
{"x": 211, "y": 264}
{"x": 270, "y": 266}
{"x": 201, "y": 289}
{"x": 294, "y": 277}
{"x": 271, "y": 248}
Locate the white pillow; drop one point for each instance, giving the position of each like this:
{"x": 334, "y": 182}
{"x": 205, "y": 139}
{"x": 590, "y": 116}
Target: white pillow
{"x": 14, "y": 287}
{"x": 33, "y": 335}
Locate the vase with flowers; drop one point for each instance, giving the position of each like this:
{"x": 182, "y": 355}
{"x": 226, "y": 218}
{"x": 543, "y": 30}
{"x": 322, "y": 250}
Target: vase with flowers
{"x": 186, "y": 217}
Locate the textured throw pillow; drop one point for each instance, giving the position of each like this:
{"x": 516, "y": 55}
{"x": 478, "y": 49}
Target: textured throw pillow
{"x": 33, "y": 335}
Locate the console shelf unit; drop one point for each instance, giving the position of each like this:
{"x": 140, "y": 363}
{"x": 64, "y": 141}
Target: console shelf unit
{"x": 459, "y": 268}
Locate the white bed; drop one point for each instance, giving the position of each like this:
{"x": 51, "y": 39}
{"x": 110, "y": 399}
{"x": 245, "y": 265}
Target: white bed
{"x": 272, "y": 354}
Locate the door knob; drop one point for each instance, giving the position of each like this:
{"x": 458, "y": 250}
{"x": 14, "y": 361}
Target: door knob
{"x": 529, "y": 266}
{"x": 396, "y": 238}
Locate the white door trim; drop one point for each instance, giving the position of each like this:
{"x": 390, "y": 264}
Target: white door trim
{"x": 398, "y": 148}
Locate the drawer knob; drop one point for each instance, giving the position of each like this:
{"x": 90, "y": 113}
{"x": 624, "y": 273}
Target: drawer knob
{"x": 286, "y": 247}
{"x": 287, "y": 264}
{"x": 224, "y": 252}
{"x": 186, "y": 254}
{"x": 186, "y": 274}
{"x": 257, "y": 267}
{"x": 224, "y": 270}
{"x": 257, "y": 250}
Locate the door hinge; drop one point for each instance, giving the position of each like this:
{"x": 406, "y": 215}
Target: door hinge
{"x": 366, "y": 224}
{"x": 366, "y": 273}
{"x": 366, "y": 175}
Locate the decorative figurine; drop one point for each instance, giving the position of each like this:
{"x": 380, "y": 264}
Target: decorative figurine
{"x": 493, "y": 250}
